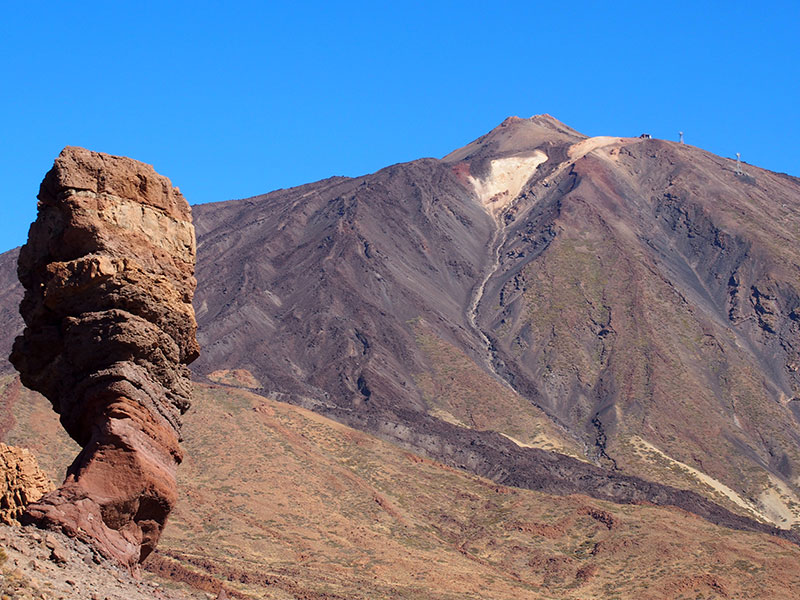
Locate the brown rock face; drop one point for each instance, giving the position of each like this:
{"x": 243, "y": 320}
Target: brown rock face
{"x": 21, "y": 482}
{"x": 108, "y": 272}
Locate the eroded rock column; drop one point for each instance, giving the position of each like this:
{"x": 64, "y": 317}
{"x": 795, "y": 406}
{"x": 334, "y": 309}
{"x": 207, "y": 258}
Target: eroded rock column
{"x": 21, "y": 482}
{"x": 108, "y": 272}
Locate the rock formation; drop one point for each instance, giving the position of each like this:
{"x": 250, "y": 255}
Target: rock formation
{"x": 21, "y": 482}
{"x": 108, "y": 272}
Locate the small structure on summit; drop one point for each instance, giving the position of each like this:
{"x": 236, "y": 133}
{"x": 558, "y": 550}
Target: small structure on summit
{"x": 108, "y": 272}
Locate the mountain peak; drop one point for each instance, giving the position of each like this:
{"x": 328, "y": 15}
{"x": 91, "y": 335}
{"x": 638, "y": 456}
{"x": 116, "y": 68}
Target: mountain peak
{"x": 544, "y": 120}
{"x": 517, "y": 136}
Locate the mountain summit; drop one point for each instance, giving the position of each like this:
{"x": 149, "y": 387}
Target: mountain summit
{"x": 515, "y": 135}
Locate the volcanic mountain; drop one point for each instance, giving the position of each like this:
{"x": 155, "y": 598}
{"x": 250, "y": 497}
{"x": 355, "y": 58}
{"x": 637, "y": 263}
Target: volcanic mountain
{"x": 600, "y": 315}
{"x": 631, "y": 302}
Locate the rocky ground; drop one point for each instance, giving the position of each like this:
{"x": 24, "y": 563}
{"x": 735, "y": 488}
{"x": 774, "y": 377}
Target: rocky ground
{"x": 280, "y": 503}
{"x": 38, "y": 565}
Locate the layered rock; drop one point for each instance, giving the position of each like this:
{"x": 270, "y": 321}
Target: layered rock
{"x": 21, "y": 482}
{"x": 108, "y": 272}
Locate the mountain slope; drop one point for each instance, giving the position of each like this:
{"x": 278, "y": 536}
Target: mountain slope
{"x": 664, "y": 310}
{"x": 280, "y": 502}
{"x": 631, "y": 301}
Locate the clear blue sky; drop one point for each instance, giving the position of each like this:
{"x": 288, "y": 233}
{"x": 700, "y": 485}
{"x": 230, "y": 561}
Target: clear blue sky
{"x": 235, "y": 99}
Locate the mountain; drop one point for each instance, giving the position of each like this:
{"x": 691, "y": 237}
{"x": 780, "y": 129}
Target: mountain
{"x": 598, "y": 315}
{"x": 631, "y": 302}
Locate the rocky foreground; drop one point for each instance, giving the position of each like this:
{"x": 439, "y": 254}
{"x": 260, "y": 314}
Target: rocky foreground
{"x": 47, "y": 565}
{"x": 38, "y": 565}
{"x": 296, "y": 506}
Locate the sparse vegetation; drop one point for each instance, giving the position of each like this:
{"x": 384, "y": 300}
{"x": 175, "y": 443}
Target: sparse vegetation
{"x": 333, "y": 510}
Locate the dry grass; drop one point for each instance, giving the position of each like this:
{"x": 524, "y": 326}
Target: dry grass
{"x": 459, "y": 391}
{"x": 280, "y": 502}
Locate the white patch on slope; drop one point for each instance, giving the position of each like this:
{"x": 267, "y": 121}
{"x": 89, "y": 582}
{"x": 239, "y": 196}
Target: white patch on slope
{"x": 507, "y": 176}
{"x": 607, "y": 145}
{"x": 773, "y": 514}
{"x": 583, "y": 147}
{"x": 545, "y": 442}
{"x": 779, "y": 503}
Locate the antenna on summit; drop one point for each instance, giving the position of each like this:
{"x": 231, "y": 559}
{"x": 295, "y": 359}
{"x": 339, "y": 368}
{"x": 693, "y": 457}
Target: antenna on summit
{"x": 680, "y": 135}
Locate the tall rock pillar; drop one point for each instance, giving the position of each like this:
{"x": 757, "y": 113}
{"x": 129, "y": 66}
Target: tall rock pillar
{"x": 108, "y": 272}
